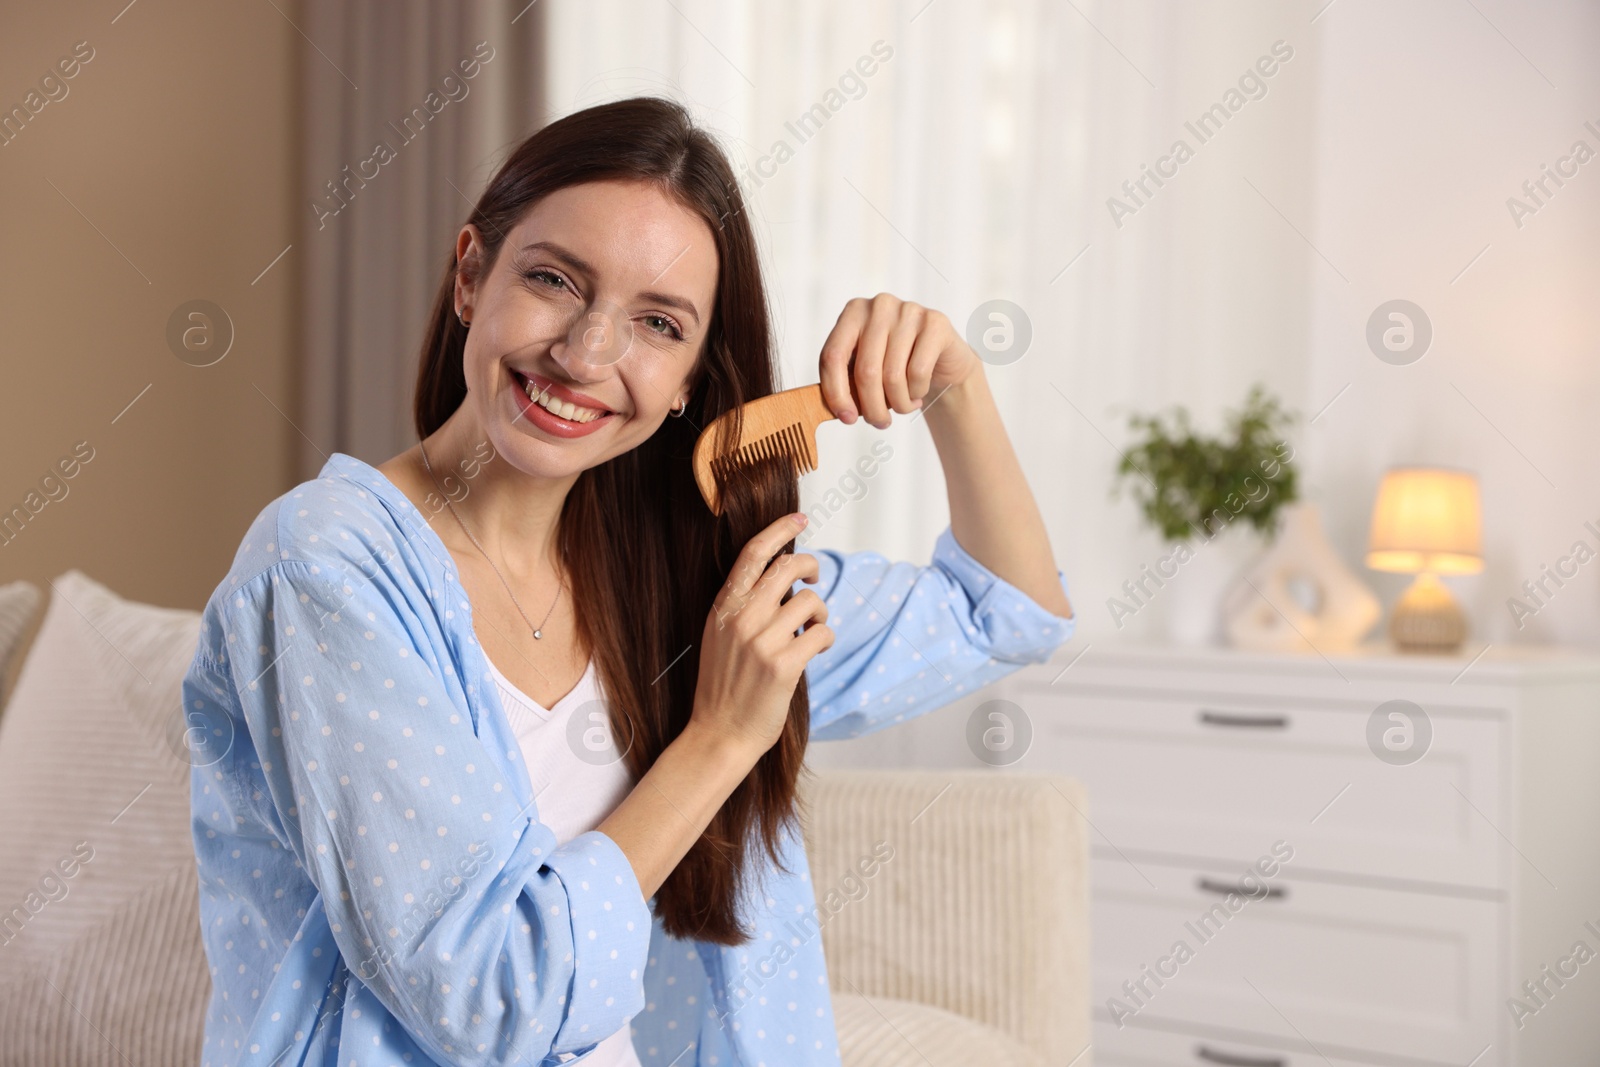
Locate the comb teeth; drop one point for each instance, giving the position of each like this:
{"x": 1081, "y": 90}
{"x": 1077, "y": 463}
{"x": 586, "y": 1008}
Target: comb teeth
{"x": 788, "y": 443}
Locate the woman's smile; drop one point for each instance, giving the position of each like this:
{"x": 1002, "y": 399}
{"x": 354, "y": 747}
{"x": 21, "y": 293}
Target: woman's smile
{"x": 554, "y": 408}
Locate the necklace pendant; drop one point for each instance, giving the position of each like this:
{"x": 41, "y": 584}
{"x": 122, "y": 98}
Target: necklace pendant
{"x": 537, "y": 634}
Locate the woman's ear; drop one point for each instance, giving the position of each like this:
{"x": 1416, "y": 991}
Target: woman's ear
{"x": 697, "y": 374}
{"x": 469, "y": 268}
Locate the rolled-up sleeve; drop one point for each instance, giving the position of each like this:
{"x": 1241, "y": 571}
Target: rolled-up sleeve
{"x": 908, "y": 639}
{"x": 488, "y": 942}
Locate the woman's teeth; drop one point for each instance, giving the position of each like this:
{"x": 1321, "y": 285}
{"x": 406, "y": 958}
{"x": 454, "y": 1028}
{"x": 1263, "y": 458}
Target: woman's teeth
{"x": 570, "y": 412}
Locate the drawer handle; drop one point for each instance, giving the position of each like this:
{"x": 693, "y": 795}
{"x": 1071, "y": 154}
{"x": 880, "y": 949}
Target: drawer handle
{"x": 1233, "y": 1059}
{"x": 1224, "y": 888}
{"x": 1259, "y": 722}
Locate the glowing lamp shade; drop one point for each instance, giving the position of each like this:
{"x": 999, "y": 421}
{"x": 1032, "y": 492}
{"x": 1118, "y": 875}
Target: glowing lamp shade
{"x": 1426, "y": 520}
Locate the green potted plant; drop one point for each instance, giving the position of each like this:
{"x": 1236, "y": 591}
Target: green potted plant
{"x": 1192, "y": 488}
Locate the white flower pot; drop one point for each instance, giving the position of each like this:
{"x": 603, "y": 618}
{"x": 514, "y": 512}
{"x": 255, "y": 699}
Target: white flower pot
{"x": 1193, "y": 597}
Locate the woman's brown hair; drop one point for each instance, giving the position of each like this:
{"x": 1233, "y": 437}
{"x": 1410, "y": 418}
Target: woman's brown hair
{"x": 646, "y": 556}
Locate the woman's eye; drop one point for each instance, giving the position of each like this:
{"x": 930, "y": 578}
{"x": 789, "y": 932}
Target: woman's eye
{"x": 550, "y": 278}
{"x": 667, "y": 327}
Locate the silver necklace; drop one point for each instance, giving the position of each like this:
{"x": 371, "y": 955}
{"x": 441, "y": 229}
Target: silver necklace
{"x": 538, "y": 631}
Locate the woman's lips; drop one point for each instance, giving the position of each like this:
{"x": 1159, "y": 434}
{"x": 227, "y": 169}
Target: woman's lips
{"x": 537, "y": 384}
{"x": 546, "y": 420}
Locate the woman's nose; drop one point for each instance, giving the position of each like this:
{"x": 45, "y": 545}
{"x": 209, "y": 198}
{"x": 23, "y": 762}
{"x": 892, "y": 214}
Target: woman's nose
{"x": 600, "y": 335}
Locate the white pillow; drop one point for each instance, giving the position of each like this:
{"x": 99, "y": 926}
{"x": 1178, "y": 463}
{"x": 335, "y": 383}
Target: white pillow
{"x": 888, "y": 1032}
{"x": 99, "y": 906}
{"x": 19, "y": 603}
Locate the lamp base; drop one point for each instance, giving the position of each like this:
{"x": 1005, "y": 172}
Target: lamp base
{"x": 1427, "y": 618}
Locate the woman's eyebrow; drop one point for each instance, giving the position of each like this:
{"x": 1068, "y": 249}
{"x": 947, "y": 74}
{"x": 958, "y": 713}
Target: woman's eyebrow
{"x": 572, "y": 259}
{"x": 672, "y": 301}
{"x": 578, "y": 264}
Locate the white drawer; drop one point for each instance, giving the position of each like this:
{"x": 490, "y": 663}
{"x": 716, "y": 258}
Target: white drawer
{"x": 1226, "y": 777}
{"x": 1364, "y": 973}
{"x": 1158, "y": 1048}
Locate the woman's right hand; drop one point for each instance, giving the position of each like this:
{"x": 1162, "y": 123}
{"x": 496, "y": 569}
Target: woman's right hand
{"x": 751, "y": 658}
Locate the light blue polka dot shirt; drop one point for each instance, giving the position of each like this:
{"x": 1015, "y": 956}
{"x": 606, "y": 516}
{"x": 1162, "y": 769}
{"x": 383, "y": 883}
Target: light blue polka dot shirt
{"x": 375, "y": 884}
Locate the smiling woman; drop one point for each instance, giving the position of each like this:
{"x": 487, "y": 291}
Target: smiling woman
{"x": 598, "y": 315}
{"x": 581, "y": 695}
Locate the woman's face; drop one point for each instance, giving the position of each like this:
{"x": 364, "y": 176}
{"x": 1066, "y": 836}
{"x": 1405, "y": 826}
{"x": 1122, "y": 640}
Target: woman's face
{"x": 598, "y": 303}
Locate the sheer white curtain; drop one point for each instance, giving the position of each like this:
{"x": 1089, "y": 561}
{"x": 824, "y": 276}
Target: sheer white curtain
{"x": 975, "y": 163}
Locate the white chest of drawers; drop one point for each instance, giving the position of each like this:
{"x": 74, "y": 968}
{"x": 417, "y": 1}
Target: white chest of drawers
{"x": 1421, "y": 894}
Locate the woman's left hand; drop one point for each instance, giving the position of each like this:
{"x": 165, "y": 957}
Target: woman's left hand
{"x": 894, "y": 353}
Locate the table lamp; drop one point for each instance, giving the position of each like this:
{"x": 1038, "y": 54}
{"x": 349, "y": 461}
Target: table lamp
{"x": 1426, "y": 522}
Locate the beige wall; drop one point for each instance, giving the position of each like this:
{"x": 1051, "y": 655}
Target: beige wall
{"x": 175, "y": 145}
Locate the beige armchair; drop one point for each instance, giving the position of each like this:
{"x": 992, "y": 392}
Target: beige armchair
{"x": 968, "y": 944}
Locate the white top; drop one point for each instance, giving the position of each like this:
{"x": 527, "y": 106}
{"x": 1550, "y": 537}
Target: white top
{"x": 578, "y": 778}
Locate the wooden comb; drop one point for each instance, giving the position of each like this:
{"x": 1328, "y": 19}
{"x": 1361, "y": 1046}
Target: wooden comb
{"x": 780, "y": 425}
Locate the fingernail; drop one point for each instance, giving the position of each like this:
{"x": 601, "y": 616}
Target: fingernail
{"x": 799, "y": 518}
{"x": 847, "y": 414}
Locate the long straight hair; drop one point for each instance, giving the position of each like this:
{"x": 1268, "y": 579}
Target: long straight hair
{"x": 645, "y": 554}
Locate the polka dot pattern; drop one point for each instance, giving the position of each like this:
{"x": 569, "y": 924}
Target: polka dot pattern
{"x": 375, "y": 883}
{"x": 909, "y": 639}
